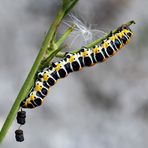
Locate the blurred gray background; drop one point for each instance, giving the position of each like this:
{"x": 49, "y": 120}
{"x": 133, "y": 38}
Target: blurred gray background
{"x": 105, "y": 106}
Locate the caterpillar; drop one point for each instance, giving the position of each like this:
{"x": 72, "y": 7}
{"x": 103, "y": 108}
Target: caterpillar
{"x": 85, "y": 57}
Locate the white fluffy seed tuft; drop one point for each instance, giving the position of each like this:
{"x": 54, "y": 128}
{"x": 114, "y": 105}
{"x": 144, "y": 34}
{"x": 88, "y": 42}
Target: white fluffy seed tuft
{"x": 82, "y": 34}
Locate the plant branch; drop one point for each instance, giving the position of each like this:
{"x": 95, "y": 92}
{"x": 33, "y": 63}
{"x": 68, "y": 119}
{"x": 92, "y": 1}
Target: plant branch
{"x": 64, "y": 36}
{"x": 30, "y": 79}
{"x": 49, "y": 38}
{"x": 46, "y": 62}
{"x": 104, "y": 37}
{"x": 55, "y": 48}
{"x": 62, "y": 54}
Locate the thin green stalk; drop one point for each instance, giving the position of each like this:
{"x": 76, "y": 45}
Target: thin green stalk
{"x": 104, "y": 37}
{"x": 62, "y": 54}
{"x": 64, "y": 36}
{"x": 46, "y": 62}
{"x": 29, "y": 81}
{"x": 56, "y": 48}
{"x": 66, "y": 7}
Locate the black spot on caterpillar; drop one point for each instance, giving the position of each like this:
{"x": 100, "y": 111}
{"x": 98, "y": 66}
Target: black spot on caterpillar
{"x": 74, "y": 62}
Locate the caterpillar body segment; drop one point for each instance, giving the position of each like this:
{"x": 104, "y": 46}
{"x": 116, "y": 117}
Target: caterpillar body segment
{"x": 75, "y": 62}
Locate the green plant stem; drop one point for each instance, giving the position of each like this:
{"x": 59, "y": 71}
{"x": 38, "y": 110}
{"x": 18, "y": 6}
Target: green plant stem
{"x": 56, "y": 48}
{"x": 68, "y": 5}
{"x": 64, "y": 36}
{"x": 104, "y": 37}
{"x": 29, "y": 81}
{"x": 62, "y": 54}
{"x": 46, "y": 62}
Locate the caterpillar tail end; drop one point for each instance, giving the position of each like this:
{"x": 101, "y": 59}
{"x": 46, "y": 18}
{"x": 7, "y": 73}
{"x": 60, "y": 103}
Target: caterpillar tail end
{"x": 130, "y": 23}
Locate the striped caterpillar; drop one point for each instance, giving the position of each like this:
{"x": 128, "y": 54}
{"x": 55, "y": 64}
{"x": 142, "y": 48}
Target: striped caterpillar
{"x": 75, "y": 62}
